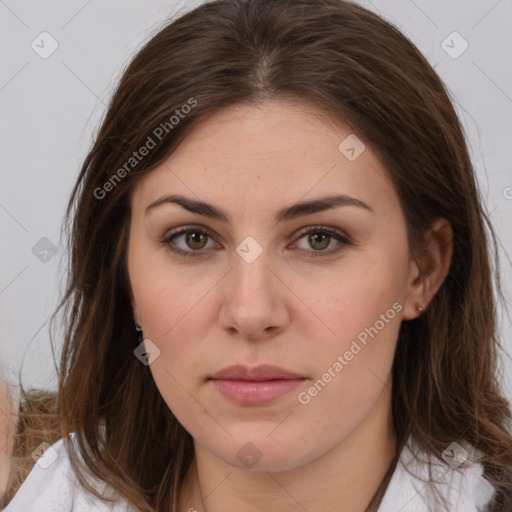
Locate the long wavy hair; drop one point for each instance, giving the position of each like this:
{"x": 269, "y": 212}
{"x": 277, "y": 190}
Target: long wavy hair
{"x": 351, "y": 65}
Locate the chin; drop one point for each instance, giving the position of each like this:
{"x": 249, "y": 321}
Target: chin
{"x": 263, "y": 453}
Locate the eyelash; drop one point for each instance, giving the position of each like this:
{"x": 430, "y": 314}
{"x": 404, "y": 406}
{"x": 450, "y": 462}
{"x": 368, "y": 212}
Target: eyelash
{"x": 166, "y": 240}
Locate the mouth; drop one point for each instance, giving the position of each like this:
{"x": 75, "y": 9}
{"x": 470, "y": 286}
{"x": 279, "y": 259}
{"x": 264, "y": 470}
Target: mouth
{"x": 264, "y": 372}
{"x": 259, "y": 385}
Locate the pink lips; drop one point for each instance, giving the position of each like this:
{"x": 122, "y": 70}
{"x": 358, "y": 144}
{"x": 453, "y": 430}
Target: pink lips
{"x": 254, "y": 386}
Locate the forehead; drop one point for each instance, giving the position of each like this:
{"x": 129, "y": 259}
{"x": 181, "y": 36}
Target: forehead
{"x": 275, "y": 152}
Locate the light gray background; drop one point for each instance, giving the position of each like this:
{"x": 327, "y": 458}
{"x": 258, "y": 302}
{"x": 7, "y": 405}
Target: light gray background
{"x": 51, "y": 107}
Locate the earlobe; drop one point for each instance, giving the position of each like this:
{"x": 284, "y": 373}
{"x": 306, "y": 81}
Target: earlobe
{"x": 432, "y": 268}
{"x": 416, "y": 293}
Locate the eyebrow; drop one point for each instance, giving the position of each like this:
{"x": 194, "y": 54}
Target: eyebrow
{"x": 285, "y": 214}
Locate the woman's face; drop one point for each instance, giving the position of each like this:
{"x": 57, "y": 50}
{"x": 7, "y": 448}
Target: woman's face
{"x": 319, "y": 292}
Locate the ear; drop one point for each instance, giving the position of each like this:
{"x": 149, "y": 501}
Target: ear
{"x": 428, "y": 273}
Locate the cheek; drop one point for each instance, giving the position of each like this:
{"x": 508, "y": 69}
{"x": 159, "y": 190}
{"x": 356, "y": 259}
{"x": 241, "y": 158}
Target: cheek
{"x": 169, "y": 297}
{"x": 169, "y": 306}
{"x": 351, "y": 371}
{"x": 175, "y": 388}
{"x": 361, "y": 308}
{"x": 357, "y": 296}
{"x": 364, "y": 330}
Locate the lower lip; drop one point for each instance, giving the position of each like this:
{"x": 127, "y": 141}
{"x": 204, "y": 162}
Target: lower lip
{"x": 245, "y": 392}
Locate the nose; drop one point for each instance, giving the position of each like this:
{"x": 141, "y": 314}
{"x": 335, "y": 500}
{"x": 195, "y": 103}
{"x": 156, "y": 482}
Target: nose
{"x": 255, "y": 300}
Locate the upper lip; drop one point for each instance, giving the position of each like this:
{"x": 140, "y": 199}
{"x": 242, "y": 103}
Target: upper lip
{"x": 256, "y": 373}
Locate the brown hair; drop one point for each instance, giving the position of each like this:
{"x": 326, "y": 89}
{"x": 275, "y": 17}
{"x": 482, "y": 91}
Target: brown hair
{"x": 351, "y": 65}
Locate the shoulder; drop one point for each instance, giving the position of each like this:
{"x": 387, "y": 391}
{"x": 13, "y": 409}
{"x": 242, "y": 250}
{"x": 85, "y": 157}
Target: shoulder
{"x": 52, "y": 486}
{"x": 464, "y": 488}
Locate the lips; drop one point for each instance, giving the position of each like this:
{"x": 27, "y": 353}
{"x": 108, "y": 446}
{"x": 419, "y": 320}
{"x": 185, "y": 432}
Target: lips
{"x": 260, "y": 385}
{"x": 258, "y": 373}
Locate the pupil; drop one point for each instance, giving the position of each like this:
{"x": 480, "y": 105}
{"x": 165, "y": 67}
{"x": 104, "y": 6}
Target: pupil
{"x": 195, "y": 237}
{"x": 321, "y": 235}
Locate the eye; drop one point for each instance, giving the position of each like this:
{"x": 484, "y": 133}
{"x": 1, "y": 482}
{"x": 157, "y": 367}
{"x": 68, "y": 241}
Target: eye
{"x": 320, "y": 238}
{"x": 194, "y": 240}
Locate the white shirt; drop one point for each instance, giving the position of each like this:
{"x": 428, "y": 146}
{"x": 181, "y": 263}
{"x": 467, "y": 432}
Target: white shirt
{"x": 51, "y": 486}
{"x": 464, "y": 489}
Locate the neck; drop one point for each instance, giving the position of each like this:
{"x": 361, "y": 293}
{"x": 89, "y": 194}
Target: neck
{"x": 344, "y": 479}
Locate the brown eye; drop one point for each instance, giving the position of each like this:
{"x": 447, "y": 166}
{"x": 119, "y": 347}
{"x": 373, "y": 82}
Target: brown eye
{"x": 319, "y": 238}
{"x": 195, "y": 239}
{"x": 186, "y": 241}
{"x": 319, "y": 241}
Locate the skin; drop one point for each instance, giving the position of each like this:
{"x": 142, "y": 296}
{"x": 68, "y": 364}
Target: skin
{"x": 285, "y": 308}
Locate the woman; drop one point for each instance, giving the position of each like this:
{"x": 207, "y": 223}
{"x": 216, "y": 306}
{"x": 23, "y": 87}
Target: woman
{"x": 280, "y": 198}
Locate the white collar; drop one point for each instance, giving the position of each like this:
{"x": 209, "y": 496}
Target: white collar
{"x": 465, "y": 489}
